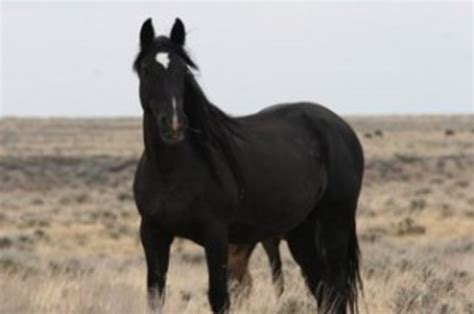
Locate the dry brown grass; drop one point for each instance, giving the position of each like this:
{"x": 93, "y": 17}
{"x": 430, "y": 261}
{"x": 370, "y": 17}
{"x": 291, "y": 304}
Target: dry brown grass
{"x": 68, "y": 226}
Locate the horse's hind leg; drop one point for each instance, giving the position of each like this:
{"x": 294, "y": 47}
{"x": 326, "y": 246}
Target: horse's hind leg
{"x": 303, "y": 249}
{"x": 239, "y": 256}
{"x": 238, "y": 259}
{"x": 272, "y": 248}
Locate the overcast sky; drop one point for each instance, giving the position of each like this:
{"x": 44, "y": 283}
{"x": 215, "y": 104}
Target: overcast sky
{"x": 357, "y": 58}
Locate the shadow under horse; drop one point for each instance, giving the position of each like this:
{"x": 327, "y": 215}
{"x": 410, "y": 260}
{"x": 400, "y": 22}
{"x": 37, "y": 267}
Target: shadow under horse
{"x": 292, "y": 169}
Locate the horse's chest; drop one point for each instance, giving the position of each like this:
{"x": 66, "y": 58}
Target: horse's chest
{"x": 173, "y": 209}
{"x": 169, "y": 204}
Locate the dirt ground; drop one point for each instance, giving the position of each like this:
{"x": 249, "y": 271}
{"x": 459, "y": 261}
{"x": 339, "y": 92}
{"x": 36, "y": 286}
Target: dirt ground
{"x": 68, "y": 224}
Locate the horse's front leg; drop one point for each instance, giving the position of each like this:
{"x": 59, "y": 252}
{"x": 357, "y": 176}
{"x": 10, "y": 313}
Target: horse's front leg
{"x": 156, "y": 244}
{"x": 216, "y": 247}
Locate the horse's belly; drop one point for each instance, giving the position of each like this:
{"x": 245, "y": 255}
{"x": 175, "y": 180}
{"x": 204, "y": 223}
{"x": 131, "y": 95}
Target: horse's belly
{"x": 272, "y": 214}
{"x": 258, "y": 230}
{"x": 281, "y": 197}
{"x": 268, "y": 222}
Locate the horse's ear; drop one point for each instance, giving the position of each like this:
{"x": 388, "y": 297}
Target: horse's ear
{"x": 178, "y": 33}
{"x": 147, "y": 34}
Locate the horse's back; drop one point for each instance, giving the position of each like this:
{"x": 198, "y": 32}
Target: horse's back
{"x": 337, "y": 142}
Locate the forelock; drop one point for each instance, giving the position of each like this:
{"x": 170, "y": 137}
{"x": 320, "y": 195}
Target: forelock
{"x": 164, "y": 44}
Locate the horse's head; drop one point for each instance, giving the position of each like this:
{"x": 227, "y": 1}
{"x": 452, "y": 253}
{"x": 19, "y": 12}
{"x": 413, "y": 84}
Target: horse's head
{"x": 162, "y": 65}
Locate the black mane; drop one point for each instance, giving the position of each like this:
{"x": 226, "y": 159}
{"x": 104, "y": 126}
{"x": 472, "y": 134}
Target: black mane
{"x": 211, "y": 127}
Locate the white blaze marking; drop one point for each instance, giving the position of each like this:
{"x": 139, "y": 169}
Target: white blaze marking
{"x": 163, "y": 59}
{"x": 174, "y": 121}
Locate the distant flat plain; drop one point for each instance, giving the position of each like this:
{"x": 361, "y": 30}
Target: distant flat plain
{"x": 68, "y": 224}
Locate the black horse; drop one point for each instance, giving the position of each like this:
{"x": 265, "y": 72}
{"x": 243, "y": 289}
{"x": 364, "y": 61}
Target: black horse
{"x": 292, "y": 170}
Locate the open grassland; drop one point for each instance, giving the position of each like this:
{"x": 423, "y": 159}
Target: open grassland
{"x": 68, "y": 225}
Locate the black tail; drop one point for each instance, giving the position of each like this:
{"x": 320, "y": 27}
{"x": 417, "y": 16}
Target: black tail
{"x": 340, "y": 289}
{"x": 353, "y": 281}
{"x": 336, "y": 236}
